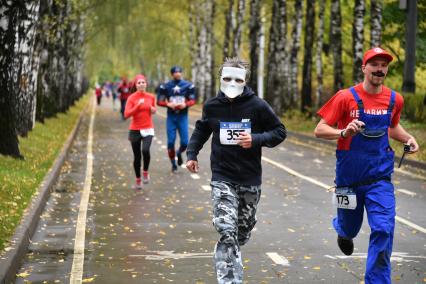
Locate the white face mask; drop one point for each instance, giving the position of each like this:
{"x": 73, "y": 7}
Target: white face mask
{"x": 232, "y": 81}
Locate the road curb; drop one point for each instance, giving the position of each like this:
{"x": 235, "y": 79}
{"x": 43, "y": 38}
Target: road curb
{"x": 311, "y": 140}
{"x": 10, "y": 260}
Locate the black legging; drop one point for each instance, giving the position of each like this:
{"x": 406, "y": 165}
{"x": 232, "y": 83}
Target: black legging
{"x": 136, "y": 147}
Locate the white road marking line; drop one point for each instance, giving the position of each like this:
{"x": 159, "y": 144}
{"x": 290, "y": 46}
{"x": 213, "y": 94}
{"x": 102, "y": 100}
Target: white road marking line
{"x": 412, "y": 194}
{"x": 323, "y": 185}
{"x": 80, "y": 234}
{"x": 162, "y": 255}
{"x": 206, "y": 187}
{"x": 422, "y": 177}
{"x": 410, "y": 224}
{"x": 329, "y": 256}
{"x": 293, "y": 172}
{"x": 195, "y": 176}
{"x": 395, "y": 257}
{"x": 278, "y": 259}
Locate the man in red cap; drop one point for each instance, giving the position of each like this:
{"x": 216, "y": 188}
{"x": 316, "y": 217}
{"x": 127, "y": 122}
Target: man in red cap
{"x": 362, "y": 118}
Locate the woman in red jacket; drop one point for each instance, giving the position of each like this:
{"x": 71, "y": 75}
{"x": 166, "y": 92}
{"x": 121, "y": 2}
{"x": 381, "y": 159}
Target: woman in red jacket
{"x": 140, "y": 106}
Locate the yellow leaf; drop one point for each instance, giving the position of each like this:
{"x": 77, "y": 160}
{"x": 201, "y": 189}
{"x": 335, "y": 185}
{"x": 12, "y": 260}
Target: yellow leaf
{"x": 23, "y": 275}
{"x": 316, "y": 268}
{"x": 88, "y": 280}
{"x": 307, "y": 257}
{"x": 291, "y": 230}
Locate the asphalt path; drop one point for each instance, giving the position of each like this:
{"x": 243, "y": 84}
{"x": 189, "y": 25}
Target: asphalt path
{"x": 164, "y": 234}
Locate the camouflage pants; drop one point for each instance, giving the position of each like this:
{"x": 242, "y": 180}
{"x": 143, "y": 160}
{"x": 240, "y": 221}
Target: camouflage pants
{"x": 234, "y": 216}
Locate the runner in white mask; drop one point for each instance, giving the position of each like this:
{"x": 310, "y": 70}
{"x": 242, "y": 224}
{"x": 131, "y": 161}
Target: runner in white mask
{"x": 241, "y": 124}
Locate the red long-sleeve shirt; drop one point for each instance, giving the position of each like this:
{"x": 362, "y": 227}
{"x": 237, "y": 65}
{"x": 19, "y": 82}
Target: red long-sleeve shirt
{"x": 141, "y": 113}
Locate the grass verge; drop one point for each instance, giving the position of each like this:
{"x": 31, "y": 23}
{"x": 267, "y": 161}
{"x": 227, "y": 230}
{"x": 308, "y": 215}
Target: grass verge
{"x": 299, "y": 122}
{"x": 20, "y": 179}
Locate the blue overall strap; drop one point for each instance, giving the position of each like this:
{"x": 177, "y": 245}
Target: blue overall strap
{"x": 357, "y": 99}
{"x": 392, "y": 101}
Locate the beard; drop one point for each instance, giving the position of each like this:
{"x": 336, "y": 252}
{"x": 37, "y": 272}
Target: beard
{"x": 376, "y": 81}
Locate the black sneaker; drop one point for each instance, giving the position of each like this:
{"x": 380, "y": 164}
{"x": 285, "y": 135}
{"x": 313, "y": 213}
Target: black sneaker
{"x": 179, "y": 159}
{"x": 345, "y": 245}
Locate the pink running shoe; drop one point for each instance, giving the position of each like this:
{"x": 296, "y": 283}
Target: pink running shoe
{"x": 138, "y": 184}
{"x": 145, "y": 177}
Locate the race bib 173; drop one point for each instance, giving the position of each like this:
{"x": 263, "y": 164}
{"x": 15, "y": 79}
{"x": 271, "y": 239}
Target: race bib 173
{"x": 230, "y": 131}
{"x": 344, "y": 198}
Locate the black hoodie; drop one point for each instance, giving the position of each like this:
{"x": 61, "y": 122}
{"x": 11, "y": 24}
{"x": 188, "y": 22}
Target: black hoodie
{"x": 233, "y": 163}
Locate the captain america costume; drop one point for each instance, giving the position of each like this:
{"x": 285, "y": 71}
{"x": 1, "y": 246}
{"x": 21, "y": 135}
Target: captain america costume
{"x": 177, "y": 92}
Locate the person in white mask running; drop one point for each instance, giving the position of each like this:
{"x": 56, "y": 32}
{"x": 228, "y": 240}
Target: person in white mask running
{"x": 241, "y": 124}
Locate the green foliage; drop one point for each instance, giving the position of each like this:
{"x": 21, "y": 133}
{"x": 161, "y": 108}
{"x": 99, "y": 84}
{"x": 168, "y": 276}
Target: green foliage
{"x": 415, "y": 107}
{"x": 21, "y": 178}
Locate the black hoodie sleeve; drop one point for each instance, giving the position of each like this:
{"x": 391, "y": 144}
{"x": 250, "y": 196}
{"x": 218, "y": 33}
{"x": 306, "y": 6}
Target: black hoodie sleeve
{"x": 200, "y": 135}
{"x": 274, "y": 131}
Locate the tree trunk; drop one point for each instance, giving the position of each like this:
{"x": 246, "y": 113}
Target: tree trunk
{"x": 376, "y": 23}
{"x": 8, "y": 137}
{"x": 319, "y": 65}
{"x": 358, "y": 41}
{"x": 306, "y": 105}
{"x": 238, "y": 28}
{"x": 336, "y": 44}
{"x": 409, "y": 82}
{"x": 25, "y": 67}
{"x": 254, "y": 26}
{"x": 296, "y": 34}
{"x": 276, "y": 90}
{"x": 228, "y": 29}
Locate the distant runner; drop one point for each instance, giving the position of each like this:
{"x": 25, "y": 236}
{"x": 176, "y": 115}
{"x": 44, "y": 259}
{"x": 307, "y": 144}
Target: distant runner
{"x": 177, "y": 95}
{"x": 140, "y": 106}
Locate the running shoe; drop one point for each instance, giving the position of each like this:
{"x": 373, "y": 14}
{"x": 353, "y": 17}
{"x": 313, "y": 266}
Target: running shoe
{"x": 345, "y": 245}
{"x": 179, "y": 158}
{"x": 145, "y": 177}
{"x": 174, "y": 168}
{"x": 138, "y": 184}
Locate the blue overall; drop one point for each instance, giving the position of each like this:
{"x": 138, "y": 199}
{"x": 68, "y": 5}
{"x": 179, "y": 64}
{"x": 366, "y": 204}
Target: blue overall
{"x": 367, "y": 168}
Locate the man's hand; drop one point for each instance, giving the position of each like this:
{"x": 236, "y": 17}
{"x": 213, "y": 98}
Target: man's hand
{"x": 353, "y": 128}
{"x": 171, "y": 105}
{"x": 181, "y": 106}
{"x": 414, "y": 147}
{"x": 245, "y": 140}
{"x": 192, "y": 166}
{"x": 153, "y": 110}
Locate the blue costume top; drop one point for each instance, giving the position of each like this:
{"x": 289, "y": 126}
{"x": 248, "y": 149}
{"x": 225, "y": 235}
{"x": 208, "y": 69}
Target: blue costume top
{"x": 176, "y": 91}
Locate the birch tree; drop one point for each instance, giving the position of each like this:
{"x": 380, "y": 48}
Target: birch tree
{"x": 241, "y": 8}
{"x": 9, "y": 17}
{"x": 306, "y": 104}
{"x": 276, "y": 90}
{"x": 294, "y": 51}
{"x": 254, "y": 35}
{"x": 336, "y": 44}
{"x": 358, "y": 40}
{"x": 229, "y": 27}
{"x": 25, "y": 67}
{"x": 320, "y": 43}
{"x": 376, "y": 23}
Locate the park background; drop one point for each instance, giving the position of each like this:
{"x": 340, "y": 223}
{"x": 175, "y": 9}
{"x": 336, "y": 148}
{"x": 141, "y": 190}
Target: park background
{"x": 55, "y": 50}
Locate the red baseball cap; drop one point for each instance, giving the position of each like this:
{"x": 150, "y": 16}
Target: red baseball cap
{"x": 376, "y": 52}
